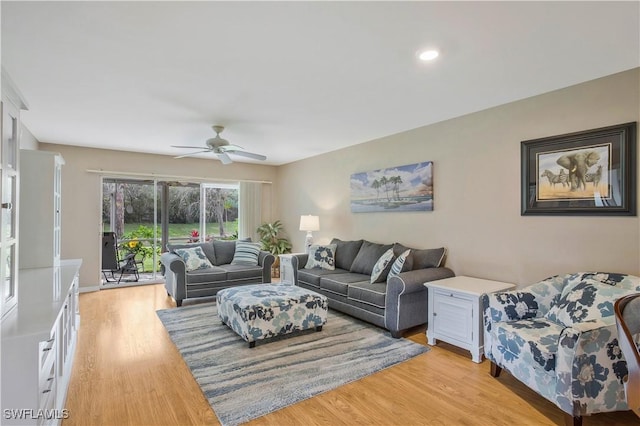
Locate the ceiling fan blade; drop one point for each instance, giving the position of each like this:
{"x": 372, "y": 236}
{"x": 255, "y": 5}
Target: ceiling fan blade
{"x": 186, "y": 146}
{"x": 193, "y": 153}
{"x": 232, "y": 148}
{"x": 224, "y": 158}
{"x": 248, "y": 154}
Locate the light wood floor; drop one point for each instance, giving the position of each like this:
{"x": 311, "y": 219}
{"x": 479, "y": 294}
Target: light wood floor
{"x": 128, "y": 372}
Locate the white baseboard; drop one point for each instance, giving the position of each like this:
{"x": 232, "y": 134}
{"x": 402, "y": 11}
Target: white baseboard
{"x": 88, "y": 289}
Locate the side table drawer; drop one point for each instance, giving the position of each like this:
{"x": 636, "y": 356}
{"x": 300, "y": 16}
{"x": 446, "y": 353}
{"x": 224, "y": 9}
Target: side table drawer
{"x": 452, "y": 317}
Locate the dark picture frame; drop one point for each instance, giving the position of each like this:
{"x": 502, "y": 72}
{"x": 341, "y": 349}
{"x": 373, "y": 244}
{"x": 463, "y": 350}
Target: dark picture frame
{"x": 591, "y": 172}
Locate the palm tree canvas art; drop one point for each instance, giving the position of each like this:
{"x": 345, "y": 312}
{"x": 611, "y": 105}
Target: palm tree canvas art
{"x": 401, "y": 188}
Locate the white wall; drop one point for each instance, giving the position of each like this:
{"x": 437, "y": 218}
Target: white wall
{"x": 477, "y": 189}
{"x": 82, "y": 193}
{"x": 27, "y": 140}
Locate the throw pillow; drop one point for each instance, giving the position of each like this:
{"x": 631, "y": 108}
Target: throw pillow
{"x": 382, "y": 266}
{"x": 206, "y": 247}
{"x": 368, "y": 255}
{"x": 225, "y": 250}
{"x": 585, "y": 301}
{"x": 346, "y": 252}
{"x": 194, "y": 258}
{"x": 246, "y": 253}
{"x": 400, "y": 264}
{"x": 322, "y": 257}
{"x": 429, "y": 258}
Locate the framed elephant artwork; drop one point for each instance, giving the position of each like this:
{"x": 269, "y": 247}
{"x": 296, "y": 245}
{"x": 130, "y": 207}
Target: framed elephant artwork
{"x": 591, "y": 172}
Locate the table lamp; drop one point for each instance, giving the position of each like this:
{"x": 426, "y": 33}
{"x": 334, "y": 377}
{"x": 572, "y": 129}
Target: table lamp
{"x": 309, "y": 223}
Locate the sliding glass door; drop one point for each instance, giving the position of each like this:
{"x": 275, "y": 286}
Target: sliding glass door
{"x": 146, "y": 215}
{"x": 129, "y": 209}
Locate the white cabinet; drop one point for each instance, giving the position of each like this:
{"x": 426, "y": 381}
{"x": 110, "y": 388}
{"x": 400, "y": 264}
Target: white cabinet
{"x": 455, "y": 312}
{"x": 38, "y": 345}
{"x": 12, "y": 103}
{"x": 40, "y": 215}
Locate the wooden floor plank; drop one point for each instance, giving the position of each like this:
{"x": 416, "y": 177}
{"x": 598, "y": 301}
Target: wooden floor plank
{"x": 128, "y": 372}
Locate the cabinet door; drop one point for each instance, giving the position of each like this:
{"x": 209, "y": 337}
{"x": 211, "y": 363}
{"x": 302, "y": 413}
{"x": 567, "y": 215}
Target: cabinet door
{"x": 452, "y": 317}
{"x": 8, "y": 216}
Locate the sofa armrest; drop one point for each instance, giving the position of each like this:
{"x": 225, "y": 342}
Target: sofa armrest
{"x": 509, "y": 306}
{"x": 175, "y": 276}
{"x": 406, "y": 299}
{"x": 298, "y": 261}
{"x": 413, "y": 281}
{"x": 172, "y": 262}
{"x": 266, "y": 259}
{"x": 590, "y": 366}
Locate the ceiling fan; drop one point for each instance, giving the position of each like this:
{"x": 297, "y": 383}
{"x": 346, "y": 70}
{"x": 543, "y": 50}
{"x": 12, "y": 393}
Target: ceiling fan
{"x": 221, "y": 147}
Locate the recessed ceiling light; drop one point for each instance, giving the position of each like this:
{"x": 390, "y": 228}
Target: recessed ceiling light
{"x": 428, "y": 55}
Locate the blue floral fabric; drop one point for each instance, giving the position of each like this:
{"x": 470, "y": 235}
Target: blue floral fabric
{"x": 194, "y": 258}
{"x": 559, "y": 337}
{"x": 262, "y": 311}
{"x": 322, "y": 257}
{"x": 586, "y": 300}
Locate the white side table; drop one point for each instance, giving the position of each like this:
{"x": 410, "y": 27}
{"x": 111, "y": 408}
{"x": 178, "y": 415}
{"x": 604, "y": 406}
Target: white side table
{"x": 286, "y": 268}
{"x": 455, "y": 312}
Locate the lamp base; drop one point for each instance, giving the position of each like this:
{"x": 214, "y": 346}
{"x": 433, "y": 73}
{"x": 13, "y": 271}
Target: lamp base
{"x": 308, "y": 242}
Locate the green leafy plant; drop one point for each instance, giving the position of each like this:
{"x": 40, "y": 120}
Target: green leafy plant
{"x": 136, "y": 246}
{"x": 271, "y": 240}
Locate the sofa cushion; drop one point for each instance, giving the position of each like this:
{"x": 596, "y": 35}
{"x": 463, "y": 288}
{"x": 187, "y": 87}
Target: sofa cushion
{"x": 312, "y": 276}
{"x": 322, "y": 257}
{"x": 429, "y": 258}
{"x": 224, "y": 251}
{"x": 346, "y": 252}
{"x": 371, "y": 294}
{"x": 382, "y": 267}
{"x": 194, "y": 258}
{"x": 586, "y": 300}
{"x": 210, "y": 275}
{"x": 207, "y": 248}
{"x": 242, "y": 272}
{"x": 367, "y": 257}
{"x": 246, "y": 253}
{"x": 518, "y": 342}
{"x": 400, "y": 264}
{"x": 339, "y": 283}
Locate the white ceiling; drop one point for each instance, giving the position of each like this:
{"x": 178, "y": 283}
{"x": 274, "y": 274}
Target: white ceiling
{"x": 293, "y": 79}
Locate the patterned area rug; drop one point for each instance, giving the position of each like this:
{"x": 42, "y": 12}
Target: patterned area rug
{"x": 242, "y": 384}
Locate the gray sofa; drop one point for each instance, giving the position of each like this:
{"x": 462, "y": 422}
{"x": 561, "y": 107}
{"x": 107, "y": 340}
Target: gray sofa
{"x": 397, "y": 303}
{"x": 181, "y": 284}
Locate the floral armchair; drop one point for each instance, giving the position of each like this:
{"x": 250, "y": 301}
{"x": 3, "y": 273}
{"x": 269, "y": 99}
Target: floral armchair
{"x": 559, "y": 337}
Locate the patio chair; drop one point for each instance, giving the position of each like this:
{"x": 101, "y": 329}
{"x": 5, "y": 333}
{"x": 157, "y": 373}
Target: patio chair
{"x": 627, "y": 312}
{"x": 112, "y": 265}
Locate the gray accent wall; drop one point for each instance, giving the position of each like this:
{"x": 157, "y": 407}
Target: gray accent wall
{"x": 477, "y": 189}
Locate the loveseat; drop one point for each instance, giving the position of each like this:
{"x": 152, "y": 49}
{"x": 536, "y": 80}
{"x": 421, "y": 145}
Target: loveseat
{"x": 559, "y": 337}
{"x": 395, "y": 299}
{"x": 201, "y": 269}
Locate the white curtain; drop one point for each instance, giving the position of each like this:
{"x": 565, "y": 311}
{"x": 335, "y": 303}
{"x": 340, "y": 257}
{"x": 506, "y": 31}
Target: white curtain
{"x": 249, "y": 209}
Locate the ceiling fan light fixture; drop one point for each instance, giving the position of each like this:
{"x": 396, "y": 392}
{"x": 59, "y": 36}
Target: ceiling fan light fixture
{"x": 221, "y": 147}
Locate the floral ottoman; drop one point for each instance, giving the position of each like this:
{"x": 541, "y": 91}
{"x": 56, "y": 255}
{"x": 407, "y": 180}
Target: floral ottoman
{"x": 261, "y": 311}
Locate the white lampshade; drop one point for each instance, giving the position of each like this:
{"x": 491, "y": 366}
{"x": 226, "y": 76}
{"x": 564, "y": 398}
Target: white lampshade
{"x": 309, "y": 223}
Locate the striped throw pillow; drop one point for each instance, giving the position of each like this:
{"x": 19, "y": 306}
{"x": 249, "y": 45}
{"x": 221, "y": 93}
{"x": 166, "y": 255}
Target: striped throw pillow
{"x": 246, "y": 253}
{"x": 399, "y": 265}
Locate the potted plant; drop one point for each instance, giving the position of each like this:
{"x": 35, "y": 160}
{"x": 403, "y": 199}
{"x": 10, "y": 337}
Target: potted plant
{"x": 273, "y": 243}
